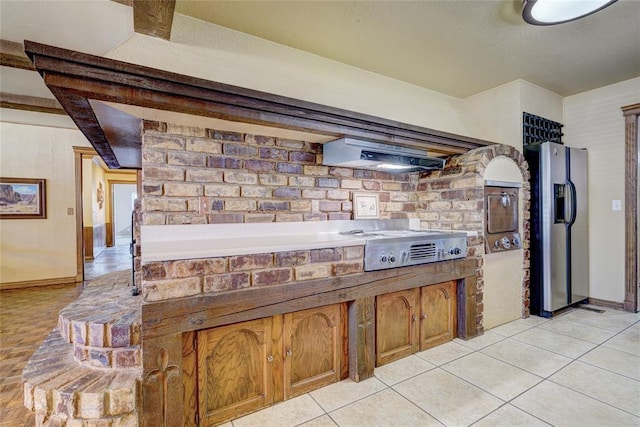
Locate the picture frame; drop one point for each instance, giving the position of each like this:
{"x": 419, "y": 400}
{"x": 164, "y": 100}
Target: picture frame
{"x": 365, "y": 206}
{"x": 23, "y": 198}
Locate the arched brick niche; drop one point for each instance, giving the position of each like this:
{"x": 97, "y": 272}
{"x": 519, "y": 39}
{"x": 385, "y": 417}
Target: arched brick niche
{"x": 453, "y": 198}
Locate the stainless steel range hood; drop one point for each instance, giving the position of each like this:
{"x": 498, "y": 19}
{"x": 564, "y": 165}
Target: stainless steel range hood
{"x": 353, "y": 153}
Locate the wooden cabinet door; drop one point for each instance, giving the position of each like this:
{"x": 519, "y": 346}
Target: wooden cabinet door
{"x": 438, "y": 314}
{"x": 234, "y": 370}
{"x": 396, "y": 326}
{"x": 312, "y": 349}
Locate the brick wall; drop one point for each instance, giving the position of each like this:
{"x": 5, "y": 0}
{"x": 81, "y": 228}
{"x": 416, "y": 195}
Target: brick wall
{"x": 454, "y": 199}
{"x": 175, "y": 279}
{"x": 248, "y": 178}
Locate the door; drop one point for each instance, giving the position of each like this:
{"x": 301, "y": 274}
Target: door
{"x": 235, "y": 370}
{"x": 396, "y": 326}
{"x": 123, "y": 198}
{"x": 312, "y": 349}
{"x": 555, "y": 211}
{"x": 579, "y": 226}
{"x": 438, "y": 307}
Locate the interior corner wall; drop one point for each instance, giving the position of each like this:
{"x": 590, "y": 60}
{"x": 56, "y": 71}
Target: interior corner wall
{"x": 498, "y": 112}
{"x": 40, "y": 249}
{"x": 593, "y": 120}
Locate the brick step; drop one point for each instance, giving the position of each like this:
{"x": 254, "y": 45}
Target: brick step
{"x": 103, "y": 324}
{"x": 64, "y": 392}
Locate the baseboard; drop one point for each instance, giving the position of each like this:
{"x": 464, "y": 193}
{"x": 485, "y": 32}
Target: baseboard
{"x": 35, "y": 283}
{"x": 605, "y": 303}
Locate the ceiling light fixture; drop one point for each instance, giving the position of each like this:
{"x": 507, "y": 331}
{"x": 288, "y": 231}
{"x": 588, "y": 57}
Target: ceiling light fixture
{"x": 551, "y": 12}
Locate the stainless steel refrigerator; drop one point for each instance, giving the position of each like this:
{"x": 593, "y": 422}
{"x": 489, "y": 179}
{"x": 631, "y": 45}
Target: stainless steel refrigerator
{"x": 559, "y": 245}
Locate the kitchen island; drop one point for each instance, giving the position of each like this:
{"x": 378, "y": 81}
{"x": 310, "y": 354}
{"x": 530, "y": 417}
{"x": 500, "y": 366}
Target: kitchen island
{"x": 308, "y": 318}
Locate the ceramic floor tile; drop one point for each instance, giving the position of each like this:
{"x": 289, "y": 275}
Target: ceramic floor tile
{"x": 576, "y": 330}
{"x": 611, "y": 320}
{"x": 614, "y": 389}
{"x": 444, "y": 353}
{"x": 402, "y": 369}
{"x": 556, "y": 343}
{"x": 345, "y": 392}
{"x": 509, "y": 415}
{"x": 532, "y": 359}
{"x": 517, "y": 326}
{"x": 482, "y": 341}
{"x": 560, "y": 406}
{"x": 386, "y": 408}
{"x": 449, "y": 399}
{"x": 288, "y": 413}
{"x": 628, "y": 340}
{"x": 323, "y": 421}
{"x": 614, "y": 360}
{"x": 491, "y": 375}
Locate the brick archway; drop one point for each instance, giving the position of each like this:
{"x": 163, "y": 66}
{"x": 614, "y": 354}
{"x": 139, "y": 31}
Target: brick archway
{"x": 453, "y": 198}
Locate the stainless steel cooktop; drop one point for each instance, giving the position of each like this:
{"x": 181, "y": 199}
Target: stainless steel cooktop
{"x": 400, "y": 248}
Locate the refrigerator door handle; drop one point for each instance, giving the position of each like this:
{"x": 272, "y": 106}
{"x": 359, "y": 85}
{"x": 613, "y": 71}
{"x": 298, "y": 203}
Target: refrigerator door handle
{"x": 573, "y": 208}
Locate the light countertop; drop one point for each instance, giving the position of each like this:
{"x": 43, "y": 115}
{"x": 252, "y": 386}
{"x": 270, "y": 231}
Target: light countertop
{"x": 174, "y": 242}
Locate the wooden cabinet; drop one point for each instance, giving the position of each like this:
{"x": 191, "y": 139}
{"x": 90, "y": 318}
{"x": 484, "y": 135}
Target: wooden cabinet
{"x": 235, "y": 370}
{"x": 312, "y": 349}
{"x": 438, "y": 320}
{"x": 414, "y": 320}
{"x": 396, "y": 334}
{"x": 250, "y": 365}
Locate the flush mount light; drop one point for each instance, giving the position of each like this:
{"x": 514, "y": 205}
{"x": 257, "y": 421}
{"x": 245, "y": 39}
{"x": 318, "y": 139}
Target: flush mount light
{"x": 550, "y": 12}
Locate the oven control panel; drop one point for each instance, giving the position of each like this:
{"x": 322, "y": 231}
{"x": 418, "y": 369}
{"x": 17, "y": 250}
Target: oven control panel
{"x": 503, "y": 242}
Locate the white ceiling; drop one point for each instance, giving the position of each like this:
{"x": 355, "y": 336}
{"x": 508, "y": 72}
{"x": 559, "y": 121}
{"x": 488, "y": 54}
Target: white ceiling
{"x": 455, "y": 47}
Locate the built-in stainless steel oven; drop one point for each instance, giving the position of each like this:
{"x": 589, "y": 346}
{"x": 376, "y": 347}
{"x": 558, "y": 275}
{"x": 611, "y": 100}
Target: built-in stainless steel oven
{"x": 501, "y": 217}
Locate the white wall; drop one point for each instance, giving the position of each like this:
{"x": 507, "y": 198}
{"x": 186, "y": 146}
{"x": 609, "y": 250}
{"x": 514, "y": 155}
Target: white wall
{"x": 498, "y": 112}
{"x": 38, "y": 249}
{"x": 219, "y": 54}
{"x": 593, "y": 120}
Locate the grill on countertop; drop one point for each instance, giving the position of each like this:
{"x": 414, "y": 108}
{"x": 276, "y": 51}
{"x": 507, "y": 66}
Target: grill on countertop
{"x": 400, "y": 248}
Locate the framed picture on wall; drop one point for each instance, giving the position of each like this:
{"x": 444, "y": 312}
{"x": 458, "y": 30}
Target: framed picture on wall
{"x": 22, "y": 198}
{"x": 365, "y": 206}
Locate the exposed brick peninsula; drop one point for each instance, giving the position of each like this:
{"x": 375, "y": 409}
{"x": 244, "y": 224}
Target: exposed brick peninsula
{"x": 87, "y": 370}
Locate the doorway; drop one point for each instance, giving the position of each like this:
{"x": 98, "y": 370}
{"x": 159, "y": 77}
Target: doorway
{"x": 104, "y": 205}
{"x": 123, "y": 196}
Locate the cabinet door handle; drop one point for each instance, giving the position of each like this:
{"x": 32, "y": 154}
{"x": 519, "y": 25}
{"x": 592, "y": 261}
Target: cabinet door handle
{"x": 414, "y": 318}
{"x": 424, "y": 316}
{"x": 269, "y": 358}
{"x": 288, "y": 352}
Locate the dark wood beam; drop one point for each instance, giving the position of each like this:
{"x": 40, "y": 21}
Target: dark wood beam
{"x": 12, "y": 55}
{"x": 153, "y": 17}
{"x": 78, "y": 76}
{"x": 124, "y": 133}
{"x": 31, "y": 103}
{"x": 632, "y": 221}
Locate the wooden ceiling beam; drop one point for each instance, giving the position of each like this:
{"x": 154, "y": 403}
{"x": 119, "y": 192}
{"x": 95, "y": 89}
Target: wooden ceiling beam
{"x": 78, "y": 77}
{"x": 31, "y": 103}
{"x": 153, "y": 17}
{"x": 12, "y": 55}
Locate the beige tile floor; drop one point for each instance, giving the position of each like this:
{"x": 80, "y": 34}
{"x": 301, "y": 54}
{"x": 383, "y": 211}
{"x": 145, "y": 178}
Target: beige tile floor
{"x": 579, "y": 369}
